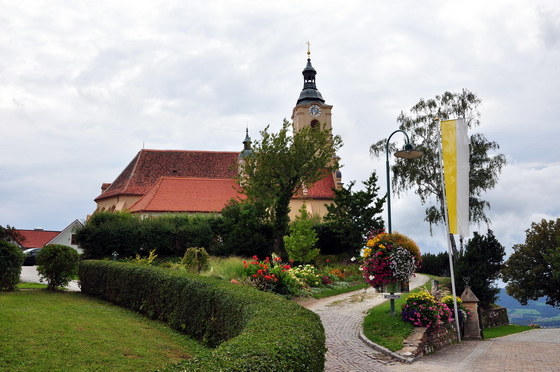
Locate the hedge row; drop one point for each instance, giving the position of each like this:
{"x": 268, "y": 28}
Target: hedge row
{"x": 244, "y": 329}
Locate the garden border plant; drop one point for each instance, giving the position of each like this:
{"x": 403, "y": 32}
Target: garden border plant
{"x": 245, "y": 329}
{"x": 11, "y": 259}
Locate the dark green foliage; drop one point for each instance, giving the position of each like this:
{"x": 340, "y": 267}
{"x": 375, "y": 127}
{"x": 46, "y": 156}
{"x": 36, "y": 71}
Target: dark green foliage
{"x": 354, "y": 213}
{"x": 329, "y": 243}
{"x": 11, "y": 259}
{"x": 128, "y": 235}
{"x": 435, "y": 264}
{"x": 196, "y": 233}
{"x": 108, "y": 232}
{"x": 533, "y": 269}
{"x": 195, "y": 260}
{"x": 245, "y": 230}
{"x": 10, "y": 234}
{"x": 57, "y": 264}
{"x": 158, "y": 234}
{"x": 481, "y": 262}
{"x": 248, "y": 330}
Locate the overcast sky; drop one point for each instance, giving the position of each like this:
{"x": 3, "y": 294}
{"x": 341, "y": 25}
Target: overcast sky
{"x": 85, "y": 85}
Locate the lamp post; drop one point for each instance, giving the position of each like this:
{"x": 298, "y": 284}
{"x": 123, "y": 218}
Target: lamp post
{"x": 408, "y": 153}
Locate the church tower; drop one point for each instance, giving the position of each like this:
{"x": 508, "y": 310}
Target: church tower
{"x": 311, "y": 109}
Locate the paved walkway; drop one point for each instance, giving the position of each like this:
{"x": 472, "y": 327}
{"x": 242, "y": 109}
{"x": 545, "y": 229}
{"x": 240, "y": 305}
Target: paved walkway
{"x": 342, "y": 318}
{"x": 29, "y": 275}
{"x": 536, "y": 350}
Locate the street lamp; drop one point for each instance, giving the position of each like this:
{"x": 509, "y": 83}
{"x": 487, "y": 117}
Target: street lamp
{"x": 408, "y": 153}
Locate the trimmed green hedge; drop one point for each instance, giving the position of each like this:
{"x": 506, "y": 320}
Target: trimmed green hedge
{"x": 245, "y": 329}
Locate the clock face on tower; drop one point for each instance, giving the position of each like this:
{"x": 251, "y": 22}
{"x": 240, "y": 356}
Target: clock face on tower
{"x": 314, "y": 111}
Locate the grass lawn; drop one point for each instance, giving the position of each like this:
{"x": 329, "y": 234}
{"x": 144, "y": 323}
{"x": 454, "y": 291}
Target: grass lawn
{"x": 387, "y": 330}
{"x": 505, "y": 330}
{"x": 68, "y": 331}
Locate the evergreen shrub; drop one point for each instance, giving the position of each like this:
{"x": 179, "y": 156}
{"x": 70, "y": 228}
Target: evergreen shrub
{"x": 196, "y": 260}
{"x": 57, "y": 264}
{"x": 11, "y": 259}
{"x": 245, "y": 329}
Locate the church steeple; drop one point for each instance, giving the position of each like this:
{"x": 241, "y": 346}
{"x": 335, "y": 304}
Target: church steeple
{"x": 246, "y": 145}
{"x": 310, "y": 93}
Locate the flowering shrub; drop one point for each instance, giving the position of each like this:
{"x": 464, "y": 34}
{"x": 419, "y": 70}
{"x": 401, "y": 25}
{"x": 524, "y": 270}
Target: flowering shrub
{"x": 389, "y": 258}
{"x": 338, "y": 273}
{"x": 308, "y": 275}
{"x": 423, "y": 310}
{"x": 259, "y": 273}
{"x": 464, "y": 314}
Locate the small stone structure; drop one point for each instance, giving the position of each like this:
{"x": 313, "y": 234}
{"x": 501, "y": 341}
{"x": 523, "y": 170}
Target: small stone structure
{"x": 494, "y": 317}
{"x": 472, "y": 324}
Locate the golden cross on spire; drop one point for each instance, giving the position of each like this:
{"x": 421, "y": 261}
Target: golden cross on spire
{"x": 308, "y": 50}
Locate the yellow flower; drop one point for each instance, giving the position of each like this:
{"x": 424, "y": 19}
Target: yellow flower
{"x": 367, "y": 252}
{"x": 381, "y": 246}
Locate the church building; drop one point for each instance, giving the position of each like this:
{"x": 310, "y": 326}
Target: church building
{"x": 180, "y": 181}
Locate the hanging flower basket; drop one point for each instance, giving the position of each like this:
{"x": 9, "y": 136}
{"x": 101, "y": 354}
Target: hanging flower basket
{"x": 389, "y": 260}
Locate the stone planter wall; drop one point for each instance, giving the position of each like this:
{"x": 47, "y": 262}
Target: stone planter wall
{"x": 424, "y": 340}
{"x": 495, "y": 317}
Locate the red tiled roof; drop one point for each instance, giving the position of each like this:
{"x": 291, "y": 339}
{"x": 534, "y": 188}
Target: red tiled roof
{"x": 322, "y": 189}
{"x": 149, "y": 165}
{"x": 192, "y": 195}
{"x": 36, "y": 238}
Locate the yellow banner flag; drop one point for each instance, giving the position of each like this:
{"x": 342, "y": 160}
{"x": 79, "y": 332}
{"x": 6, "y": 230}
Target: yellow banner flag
{"x": 455, "y": 156}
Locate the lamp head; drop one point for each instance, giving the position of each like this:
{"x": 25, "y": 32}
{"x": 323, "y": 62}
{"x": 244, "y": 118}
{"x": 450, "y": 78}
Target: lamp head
{"x": 409, "y": 152}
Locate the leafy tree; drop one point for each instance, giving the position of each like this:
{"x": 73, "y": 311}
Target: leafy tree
{"x": 533, "y": 269}
{"x": 423, "y": 175}
{"x": 57, "y": 264}
{"x": 435, "y": 264}
{"x": 281, "y": 164}
{"x": 10, "y": 234}
{"x": 481, "y": 262}
{"x": 354, "y": 213}
{"x": 245, "y": 230}
{"x": 300, "y": 244}
{"x": 11, "y": 259}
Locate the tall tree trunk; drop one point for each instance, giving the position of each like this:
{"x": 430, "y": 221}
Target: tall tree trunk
{"x": 281, "y": 223}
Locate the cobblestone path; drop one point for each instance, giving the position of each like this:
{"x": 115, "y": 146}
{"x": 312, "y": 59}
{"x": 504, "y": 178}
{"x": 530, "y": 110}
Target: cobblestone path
{"x": 342, "y": 317}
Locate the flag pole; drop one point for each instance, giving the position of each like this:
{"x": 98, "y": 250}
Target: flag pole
{"x": 448, "y": 235}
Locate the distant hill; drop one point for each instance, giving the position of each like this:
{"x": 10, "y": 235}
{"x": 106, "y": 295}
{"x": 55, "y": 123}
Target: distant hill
{"x": 536, "y": 312}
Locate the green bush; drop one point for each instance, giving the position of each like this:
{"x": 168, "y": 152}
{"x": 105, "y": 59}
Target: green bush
{"x": 196, "y": 260}
{"x": 300, "y": 244}
{"x": 11, "y": 259}
{"x": 57, "y": 264}
{"x": 246, "y": 330}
